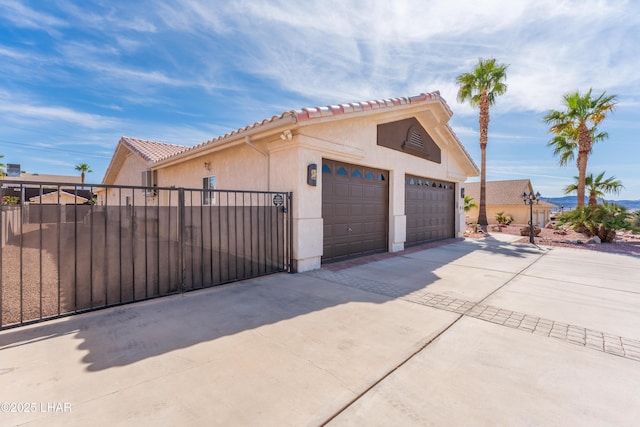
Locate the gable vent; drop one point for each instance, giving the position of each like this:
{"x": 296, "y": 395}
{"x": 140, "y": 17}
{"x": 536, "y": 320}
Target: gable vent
{"x": 415, "y": 139}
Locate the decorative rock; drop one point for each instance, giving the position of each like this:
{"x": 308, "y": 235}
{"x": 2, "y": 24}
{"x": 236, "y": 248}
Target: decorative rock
{"x": 596, "y": 239}
{"x": 525, "y": 231}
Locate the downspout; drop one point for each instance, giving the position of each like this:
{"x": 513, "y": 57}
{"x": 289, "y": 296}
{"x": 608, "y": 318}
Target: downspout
{"x": 247, "y": 140}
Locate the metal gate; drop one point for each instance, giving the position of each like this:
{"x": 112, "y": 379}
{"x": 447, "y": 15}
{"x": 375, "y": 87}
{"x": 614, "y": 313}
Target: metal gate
{"x": 67, "y": 249}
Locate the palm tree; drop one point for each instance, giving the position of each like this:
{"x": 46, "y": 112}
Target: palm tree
{"x": 480, "y": 88}
{"x": 597, "y": 186}
{"x": 3, "y": 168}
{"x": 82, "y": 168}
{"x": 469, "y": 203}
{"x": 575, "y": 129}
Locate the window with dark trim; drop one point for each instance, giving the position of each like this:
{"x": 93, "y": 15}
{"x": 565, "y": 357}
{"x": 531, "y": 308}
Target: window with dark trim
{"x": 208, "y": 197}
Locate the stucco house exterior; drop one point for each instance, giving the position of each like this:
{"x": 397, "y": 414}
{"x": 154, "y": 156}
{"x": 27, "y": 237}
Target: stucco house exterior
{"x": 366, "y": 177}
{"x": 506, "y": 196}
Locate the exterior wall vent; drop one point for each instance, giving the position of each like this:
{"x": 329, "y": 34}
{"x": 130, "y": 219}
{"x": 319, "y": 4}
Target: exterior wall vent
{"x": 415, "y": 139}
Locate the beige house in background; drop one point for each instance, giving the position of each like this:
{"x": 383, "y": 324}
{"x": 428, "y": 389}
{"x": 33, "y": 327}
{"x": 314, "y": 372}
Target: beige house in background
{"x": 59, "y": 198}
{"x": 44, "y": 178}
{"x": 389, "y": 173}
{"x": 506, "y": 196}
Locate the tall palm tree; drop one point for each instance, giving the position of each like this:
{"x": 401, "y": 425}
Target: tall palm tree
{"x": 3, "y": 168}
{"x": 575, "y": 129}
{"x": 597, "y": 186}
{"x": 480, "y": 88}
{"x": 82, "y": 168}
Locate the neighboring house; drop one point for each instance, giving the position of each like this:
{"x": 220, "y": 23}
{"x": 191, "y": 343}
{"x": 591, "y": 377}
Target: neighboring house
{"x": 506, "y": 197}
{"x": 389, "y": 173}
{"x": 60, "y": 198}
{"x": 30, "y": 187}
{"x": 43, "y": 178}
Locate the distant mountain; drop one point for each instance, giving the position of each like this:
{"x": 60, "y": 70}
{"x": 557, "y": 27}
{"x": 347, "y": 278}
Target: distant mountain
{"x": 570, "y": 202}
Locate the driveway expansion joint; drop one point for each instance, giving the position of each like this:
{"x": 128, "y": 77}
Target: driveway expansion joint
{"x": 584, "y": 337}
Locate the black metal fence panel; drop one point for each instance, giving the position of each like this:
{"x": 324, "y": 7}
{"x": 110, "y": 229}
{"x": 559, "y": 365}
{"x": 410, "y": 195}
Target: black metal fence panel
{"x": 121, "y": 244}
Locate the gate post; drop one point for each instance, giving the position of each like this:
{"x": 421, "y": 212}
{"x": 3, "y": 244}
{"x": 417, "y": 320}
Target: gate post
{"x": 181, "y": 219}
{"x": 289, "y": 252}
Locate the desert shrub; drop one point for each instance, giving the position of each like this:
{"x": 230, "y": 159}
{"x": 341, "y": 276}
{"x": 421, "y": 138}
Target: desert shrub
{"x": 601, "y": 220}
{"x": 635, "y": 221}
{"x": 503, "y": 219}
{"x": 10, "y": 200}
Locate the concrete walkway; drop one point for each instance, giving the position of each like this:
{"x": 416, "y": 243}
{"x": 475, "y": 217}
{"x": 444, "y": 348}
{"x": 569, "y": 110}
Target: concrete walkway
{"x": 483, "y": 332}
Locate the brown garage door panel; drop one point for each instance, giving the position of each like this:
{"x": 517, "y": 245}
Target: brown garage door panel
{"x": 430, "y": 209}
{"x": 354, "y": 210}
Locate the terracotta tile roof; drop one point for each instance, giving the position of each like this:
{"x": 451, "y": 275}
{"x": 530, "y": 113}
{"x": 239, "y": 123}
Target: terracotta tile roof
{"x": 152, "y": 151}
{"x": 356, "y": 107}
{"x": 312, "y": 113}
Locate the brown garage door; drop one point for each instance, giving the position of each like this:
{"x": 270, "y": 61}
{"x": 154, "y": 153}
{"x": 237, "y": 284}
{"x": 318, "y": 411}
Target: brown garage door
{"x": 430, "y": 209}
{"x": 355, "y": 209}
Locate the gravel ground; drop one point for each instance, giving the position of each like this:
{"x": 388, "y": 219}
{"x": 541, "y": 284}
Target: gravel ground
{"x": 626, "y": 243}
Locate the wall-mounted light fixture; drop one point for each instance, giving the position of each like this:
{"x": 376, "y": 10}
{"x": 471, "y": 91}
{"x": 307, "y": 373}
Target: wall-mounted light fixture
{"x": 312, "y": 174}
{"x": 207, "y": 166}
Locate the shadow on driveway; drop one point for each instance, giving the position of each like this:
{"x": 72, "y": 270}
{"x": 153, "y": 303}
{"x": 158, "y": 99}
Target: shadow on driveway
{"x": 128, "y": 334}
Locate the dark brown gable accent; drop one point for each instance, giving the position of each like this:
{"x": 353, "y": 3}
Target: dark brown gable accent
{"x": 410, "y": 137}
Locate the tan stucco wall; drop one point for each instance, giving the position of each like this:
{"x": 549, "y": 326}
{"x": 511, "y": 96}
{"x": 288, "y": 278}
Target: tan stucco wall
{"x": 129, "y": 174}
{"x": 284, "y": 168}
{"x": 519, "y": 213}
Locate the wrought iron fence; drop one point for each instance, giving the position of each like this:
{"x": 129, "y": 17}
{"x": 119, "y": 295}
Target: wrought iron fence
{"x": 67, "y": 249}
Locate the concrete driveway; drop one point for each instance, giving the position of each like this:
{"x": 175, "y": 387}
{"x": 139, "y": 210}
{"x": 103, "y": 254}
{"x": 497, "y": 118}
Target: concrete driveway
{"x": 471, "y": 333}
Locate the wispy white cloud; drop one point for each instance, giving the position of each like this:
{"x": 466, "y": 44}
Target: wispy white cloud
{"x": 16, "y": 110}
{"x": 23, "y": 16}
{"x": 107, "y": 16}
{"x": 12, "y": 53}
{"x": 348, "y": 50}
{"x": 125, "y": 67}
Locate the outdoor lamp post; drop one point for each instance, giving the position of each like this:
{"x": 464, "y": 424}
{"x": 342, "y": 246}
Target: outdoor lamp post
{"x": 531, "y": 198}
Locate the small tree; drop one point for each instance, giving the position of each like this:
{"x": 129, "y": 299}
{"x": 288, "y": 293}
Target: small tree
{"x": 469, "y": 203}
{"x": 597, "y": 187}
{"x": 503, "y": 219}
{"x": 82, "y": 168}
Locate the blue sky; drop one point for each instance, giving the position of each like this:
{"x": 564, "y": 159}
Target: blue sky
{"x": 77, "y": 75}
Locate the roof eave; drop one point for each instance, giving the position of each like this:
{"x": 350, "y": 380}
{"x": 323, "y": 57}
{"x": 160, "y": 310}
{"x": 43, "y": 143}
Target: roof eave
{"x": 260, "y": 130}
{"x": 113, "y": 169}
